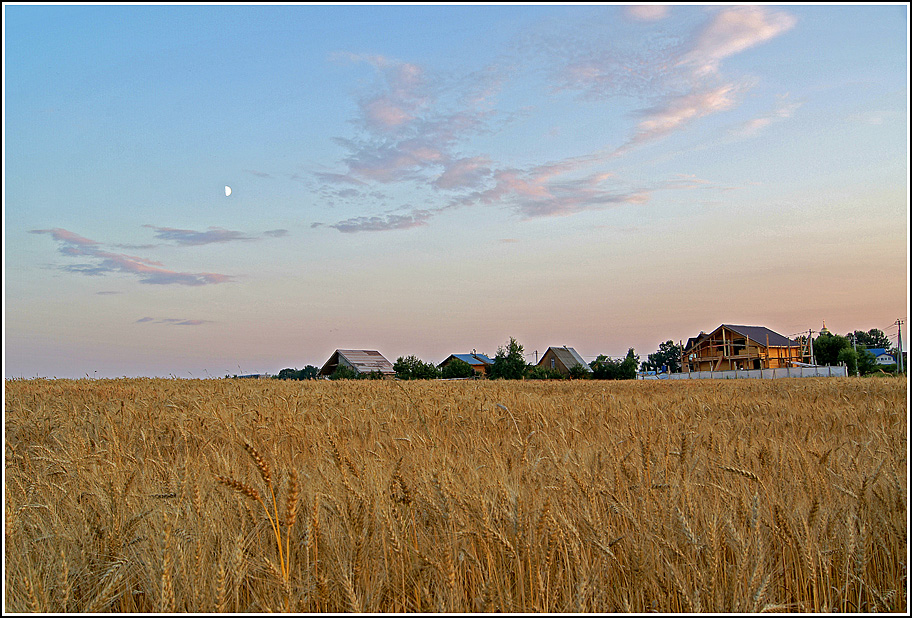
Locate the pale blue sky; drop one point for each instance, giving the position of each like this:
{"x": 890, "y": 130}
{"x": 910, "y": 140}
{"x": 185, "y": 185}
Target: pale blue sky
{"x": 436, "y": 179}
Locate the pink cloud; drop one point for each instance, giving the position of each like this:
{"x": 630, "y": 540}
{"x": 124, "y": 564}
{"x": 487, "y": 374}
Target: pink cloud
{"x": 732, "y": 31}
{"x": 105, "y": 262}
{"x": 647, "y": 12}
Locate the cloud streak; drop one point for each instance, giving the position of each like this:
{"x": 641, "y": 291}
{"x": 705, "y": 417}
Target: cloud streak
{"x": 173, "y": 321}
{"x": 193, "y": 238}
{"x": 101, "y": 262}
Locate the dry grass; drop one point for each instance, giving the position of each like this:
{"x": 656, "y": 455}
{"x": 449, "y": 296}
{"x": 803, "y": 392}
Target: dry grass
{"x": 139, "y": 495}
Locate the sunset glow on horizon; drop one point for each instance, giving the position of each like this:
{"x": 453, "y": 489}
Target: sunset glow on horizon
{"x": 201, "y": 191}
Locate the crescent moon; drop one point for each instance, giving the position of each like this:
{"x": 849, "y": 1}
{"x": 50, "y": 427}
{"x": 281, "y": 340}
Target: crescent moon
{"x": 227, "y": 190}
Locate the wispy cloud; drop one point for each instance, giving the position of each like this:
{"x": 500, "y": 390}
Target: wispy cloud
{"x": 731, "y": 31}
{"x": 103, "y": 262}
{"x": 647, "y": 12}
{"x": 276, "y": 233}
{"x": 194, "y": 238}
{"x": 173, "y": 321}
{"x": 754, "y": 126}
{"x": 382, "y": 223}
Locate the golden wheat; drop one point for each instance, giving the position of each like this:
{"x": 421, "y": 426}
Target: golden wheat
{"x": 141, "y": 495}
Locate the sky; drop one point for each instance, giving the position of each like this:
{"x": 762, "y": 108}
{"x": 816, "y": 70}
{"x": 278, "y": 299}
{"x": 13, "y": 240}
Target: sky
{"x": 432, "y": 180}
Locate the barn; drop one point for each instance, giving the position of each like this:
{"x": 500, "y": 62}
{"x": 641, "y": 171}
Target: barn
{"x": 360, "y": 361}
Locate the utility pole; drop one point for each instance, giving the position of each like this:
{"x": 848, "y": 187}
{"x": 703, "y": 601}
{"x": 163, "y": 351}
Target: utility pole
{"x": 899, "y": 361}
{"x": 811, "y": 342}
{"x": 855, "y": 347}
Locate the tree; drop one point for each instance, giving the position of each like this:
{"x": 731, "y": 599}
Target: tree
{"x": 604, "y": 368}
{"x": 849, "y": 357}
{"x": 343, "y": 373}
{"x": 827, "y": 347}
{"x": 308, "y": 373}
{"x": 628, "y": 368}
{"x": 874, "y": 338}
{"x": 458, "y": 368}
{"x": 543, "y": 373}
{"x": 867, "y": 362}
{"x": 579, "y": 372}
{"x": 668, "y": 355}
{"x": 509, "y": 362}
{"x": 413, "y": 368}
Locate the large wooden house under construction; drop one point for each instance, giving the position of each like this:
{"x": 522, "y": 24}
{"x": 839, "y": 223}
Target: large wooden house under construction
{"x": 731, "y": 347}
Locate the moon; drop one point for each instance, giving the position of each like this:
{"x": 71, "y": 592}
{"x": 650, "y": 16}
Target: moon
{"x": 227, "y": 190}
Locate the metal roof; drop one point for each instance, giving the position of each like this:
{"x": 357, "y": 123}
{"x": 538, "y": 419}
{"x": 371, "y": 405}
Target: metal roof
{"x": 473, "y": 359}
{"x": 362, "y": 361}
{"x": 568, "y": 357}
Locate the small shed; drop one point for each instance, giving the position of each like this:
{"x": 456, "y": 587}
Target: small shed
{"x": 563, "y": 359}
{"x": 479, "y": 362}
{"x": 360, "y": 361}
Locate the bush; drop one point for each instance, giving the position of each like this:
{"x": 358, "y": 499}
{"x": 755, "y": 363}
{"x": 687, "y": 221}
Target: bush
{"x": 343, "y": 373}
{"x": 413, "y": 368}
{"x": 458, "y": 368}
{"x": 544, "y": 373}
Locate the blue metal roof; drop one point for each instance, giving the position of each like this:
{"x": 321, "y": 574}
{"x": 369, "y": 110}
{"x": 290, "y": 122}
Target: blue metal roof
{"x": 474, "y": 359}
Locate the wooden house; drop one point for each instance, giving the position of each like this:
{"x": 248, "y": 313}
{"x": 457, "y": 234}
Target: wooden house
{"x": 731, "y": 347}
{"x": 562, "y": 359}
{"x": 360, "y": 361}
{"x": 479, "y": 362}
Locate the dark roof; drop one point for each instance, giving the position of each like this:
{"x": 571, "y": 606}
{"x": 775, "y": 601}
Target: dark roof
{"x": 760, "y": 333}
{"x": 757, "y": 334}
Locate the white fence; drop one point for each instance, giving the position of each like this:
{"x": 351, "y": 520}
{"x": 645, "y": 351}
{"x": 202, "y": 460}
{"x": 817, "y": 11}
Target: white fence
{"x": 787, "y": 372}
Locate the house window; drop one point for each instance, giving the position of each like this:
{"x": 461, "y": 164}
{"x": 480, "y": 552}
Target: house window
{"x": 552, "y": 363}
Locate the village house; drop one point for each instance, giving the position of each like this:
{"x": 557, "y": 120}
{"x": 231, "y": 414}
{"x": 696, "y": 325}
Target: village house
{"x": 731, "y": 347}
{"x": 563, "y": 359}
{"x": 479, "y": 362}
{"x": 360, "y": 361}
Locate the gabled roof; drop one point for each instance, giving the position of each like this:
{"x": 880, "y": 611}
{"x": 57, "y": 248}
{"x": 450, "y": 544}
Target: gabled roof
{"x": 362, "y": 361}
{"x": 757, "y": 334}
{"x": 567, "y": 356}
{"x": 473, "y": 359}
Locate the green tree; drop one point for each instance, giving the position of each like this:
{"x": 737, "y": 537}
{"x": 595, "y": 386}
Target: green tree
{"x": 628, "y": 368}
{"x": 413, "y": 368}
{"x": 849, "y": 357}
{"x": 343, "y": 372}
{"x": 509, "y": 362}
{"x": 874, "y": 338}
{"x": 668, "y": 355}
{"x": 867, "y": 362}
{"x": 458, "y": 368}
{"x": 543, "y": 373}
{"x": 827, "y": 347}
{"x": 604, "y": 368}
{"x": 580, "y": 372}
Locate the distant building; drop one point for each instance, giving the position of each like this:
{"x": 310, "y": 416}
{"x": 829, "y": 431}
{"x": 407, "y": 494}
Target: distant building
{"x": 731, "y": 347}
{"x": 562, "y": 359}
{"x": 882, "y": 356}
{"x": 359, "y": 361}
{"x": 479, "y": 362}
{"x": 255, "y": 376}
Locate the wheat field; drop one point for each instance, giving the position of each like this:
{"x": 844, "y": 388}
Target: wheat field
{"x": 165, "y": 495}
